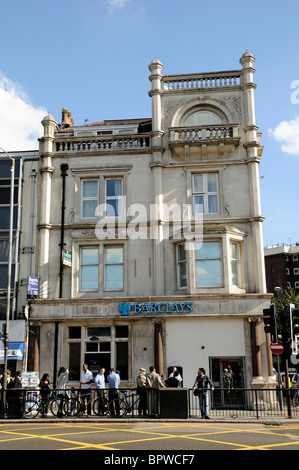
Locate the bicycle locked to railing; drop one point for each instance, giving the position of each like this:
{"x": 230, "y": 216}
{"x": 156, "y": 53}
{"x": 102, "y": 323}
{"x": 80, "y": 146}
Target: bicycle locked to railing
{"x": 74, "y": 403}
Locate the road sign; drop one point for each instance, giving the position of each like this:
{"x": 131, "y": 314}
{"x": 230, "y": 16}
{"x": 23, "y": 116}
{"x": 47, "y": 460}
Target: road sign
{"x": 67, "y": 258}
{"x": 33, "y": 286}
{"x": 276, "y": 348}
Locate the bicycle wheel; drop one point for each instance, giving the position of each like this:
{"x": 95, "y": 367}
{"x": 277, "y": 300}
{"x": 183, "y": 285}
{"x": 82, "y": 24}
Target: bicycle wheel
{"x": 117, "y": 407}
{"x": 31, "y": 409}
{"x": 59, "y": 407}
{"x": 74, "y": 407}
{"x": 101, "y": 407}
{"x": 296, "y": 400}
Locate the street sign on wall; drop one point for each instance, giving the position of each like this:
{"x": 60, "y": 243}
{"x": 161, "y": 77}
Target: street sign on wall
{"x": 67, "y": 258}
{"x": 33, "y": 285}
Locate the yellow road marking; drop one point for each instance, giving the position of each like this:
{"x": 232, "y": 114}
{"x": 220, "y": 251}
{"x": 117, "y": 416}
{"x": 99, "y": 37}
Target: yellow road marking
{"x": 153, "y": 435}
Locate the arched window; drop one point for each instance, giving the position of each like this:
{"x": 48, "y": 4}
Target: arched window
{"x": 201, "y": 118}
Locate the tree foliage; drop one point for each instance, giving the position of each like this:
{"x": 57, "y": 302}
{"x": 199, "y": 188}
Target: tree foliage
{"x": 282, "y": 303}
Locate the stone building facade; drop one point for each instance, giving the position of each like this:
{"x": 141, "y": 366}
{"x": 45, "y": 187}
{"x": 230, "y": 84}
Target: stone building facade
{"x": 149, "y": 236}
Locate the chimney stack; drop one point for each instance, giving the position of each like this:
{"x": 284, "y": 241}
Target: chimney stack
{"x": 66, "y": 120}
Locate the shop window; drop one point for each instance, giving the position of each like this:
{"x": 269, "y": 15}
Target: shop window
{"x": 205, "y": 193}
{"x": 103, "y": 346}
{"x": 208, "y": 266}
{"x": 235, "y": 263}
{"x": 89, "y": 268}
{"x": 90, "y": 198}
{"x": 114, "y": 277}
{"x": 75, "y": 365}
{"x": 181, "y": 266}
{"x": 202, "y": 118}
{"x": 122, "y": 331}
{"x": 114, "y": 197}
{"x": 74, "y": 332}
{"x": 98, "y": 331}
{"x": 4, "y": 274}
{"x": 5, "y": 217}
{"x": 122, "y": 359}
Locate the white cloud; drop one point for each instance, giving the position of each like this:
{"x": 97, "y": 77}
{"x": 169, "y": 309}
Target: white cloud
{"x": 20, "y": 121}
{"x": 287, "y": 132}
{"x": 117, "y": 3}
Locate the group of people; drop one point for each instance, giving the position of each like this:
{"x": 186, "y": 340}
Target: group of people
{"x": 147, "y": 384}
{"x": 14, "y": 395}
{"x": 147, "y": 401}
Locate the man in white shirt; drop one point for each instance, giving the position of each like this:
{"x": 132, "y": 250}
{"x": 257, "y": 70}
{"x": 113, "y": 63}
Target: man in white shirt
{"x": 85, "y": 384}
{"x": 100, "y": 386}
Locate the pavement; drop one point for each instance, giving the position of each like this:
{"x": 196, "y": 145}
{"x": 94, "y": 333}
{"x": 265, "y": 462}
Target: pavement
{"x": 271, "y": 421}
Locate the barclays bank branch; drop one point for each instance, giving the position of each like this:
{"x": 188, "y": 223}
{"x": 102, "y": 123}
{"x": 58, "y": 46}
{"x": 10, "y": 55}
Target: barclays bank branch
{"x": 139, "y": 301}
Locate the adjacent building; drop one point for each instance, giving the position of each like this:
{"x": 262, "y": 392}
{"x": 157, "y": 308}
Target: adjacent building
{"x": 23, "y": 250}
{"x": 149, "y": 247}
{"x": 282, "y": 266}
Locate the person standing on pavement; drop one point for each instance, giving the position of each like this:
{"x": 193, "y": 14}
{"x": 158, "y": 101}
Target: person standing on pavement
{"x": 173, "y": 381}
{"x": 153, "y": 382}
{"x": 18, "y": 395}
{"x": 44, "y": 386}
{"x": 100, "y": 386}
{"x": 141, "y": 391}
{"x": 201, "y": 384}
{"x": 62, "y": 379}
{"x": 85, "y": 385}
{"x": 114, "y": 382}
{"x": 177, "y": 375}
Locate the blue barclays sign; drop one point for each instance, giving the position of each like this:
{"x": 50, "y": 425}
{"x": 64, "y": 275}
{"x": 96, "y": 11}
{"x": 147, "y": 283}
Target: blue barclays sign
{"x": 163, "y": 307}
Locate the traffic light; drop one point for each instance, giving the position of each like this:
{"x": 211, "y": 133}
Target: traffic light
{"x": 270, "y": 322}
{"x": 294, "y": 322}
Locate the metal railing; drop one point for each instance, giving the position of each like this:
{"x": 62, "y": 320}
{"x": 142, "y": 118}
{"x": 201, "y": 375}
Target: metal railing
{"x": 223, "y": 403}
{"x": 248, "y": 403}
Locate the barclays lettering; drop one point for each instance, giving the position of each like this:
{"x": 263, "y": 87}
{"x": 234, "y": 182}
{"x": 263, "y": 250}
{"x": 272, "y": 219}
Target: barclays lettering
{"x": 163, "y": 307}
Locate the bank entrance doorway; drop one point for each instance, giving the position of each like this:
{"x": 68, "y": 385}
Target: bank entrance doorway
{"x": 227, "y": 375}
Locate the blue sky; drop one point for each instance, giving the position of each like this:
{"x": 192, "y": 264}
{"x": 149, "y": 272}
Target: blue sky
{"x": 92, "y": 57}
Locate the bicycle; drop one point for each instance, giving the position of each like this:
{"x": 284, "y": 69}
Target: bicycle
{"x": 126, "y": 404}
{"x": 78, "y": 403}
{"x": 101, "y": 405}
{"x": 59, "y": 405}
{"x": 296, "y": 398}
{"x": 35, "y": 405}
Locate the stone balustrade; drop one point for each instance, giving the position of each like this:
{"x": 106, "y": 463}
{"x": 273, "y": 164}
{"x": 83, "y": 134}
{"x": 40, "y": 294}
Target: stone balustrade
{"x": 114, "y": 143}
{"x": 201, "y": 81}
{"x": 198, "y": 133}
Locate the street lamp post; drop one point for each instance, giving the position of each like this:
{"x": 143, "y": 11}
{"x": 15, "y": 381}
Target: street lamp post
{"x": 6, "y": 331}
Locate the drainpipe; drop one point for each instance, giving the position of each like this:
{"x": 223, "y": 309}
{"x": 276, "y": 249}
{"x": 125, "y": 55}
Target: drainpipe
{"x": 64, "y": 167}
